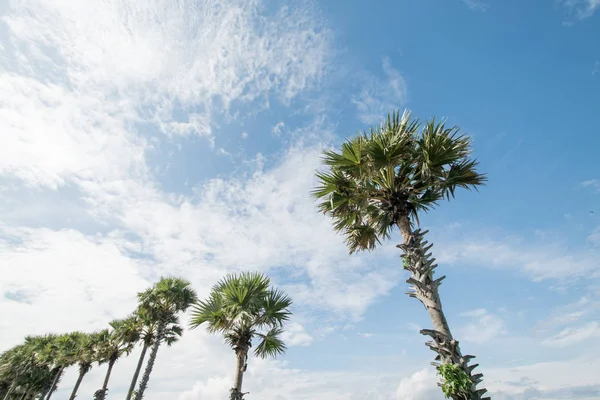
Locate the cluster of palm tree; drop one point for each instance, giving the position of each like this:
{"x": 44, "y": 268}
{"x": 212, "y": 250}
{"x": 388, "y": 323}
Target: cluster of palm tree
{"x": 384, "y": 179}
{"x": 33, "y": 369}
{"x": 380, "y": 180}
{"x": 242, "y": 307}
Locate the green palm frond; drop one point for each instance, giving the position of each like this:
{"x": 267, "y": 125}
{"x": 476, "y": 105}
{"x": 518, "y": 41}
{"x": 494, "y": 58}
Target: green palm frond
{"x": 275, "y": 309}
{"x": 211, "y": 312}
{"x": 270, "y": 344}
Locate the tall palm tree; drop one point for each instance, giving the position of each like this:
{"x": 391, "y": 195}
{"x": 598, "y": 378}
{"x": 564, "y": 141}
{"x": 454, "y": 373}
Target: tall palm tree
{"x": 85, "y": 355}
{"x": 243, "y": 307}
{"x": 147, "y": 327}
{"x": 382, "y": 180}
{"x": 162, "y": 303}
{"x": 60, "y": 354}
{"x": 112, "y": 344}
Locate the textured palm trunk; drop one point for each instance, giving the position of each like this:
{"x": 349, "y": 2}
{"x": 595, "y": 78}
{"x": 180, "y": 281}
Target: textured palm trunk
{"x": 55, "y": 382}
{"x": 137, "y": 371}
{"x": 151, "y": 360}
{"x": 82, "y": 371}
{"x": 242, "y": 357}
{"x": 101, "y": 393}
{"x": 11, "y": 388}
{"x": 424, "y": 288}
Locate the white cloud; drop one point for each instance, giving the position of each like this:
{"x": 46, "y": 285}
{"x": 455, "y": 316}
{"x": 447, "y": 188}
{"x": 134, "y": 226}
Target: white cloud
{"x": 542, "y": 380}
{"x": 592, "y": 184}
{"x": 421, "y": 385}
{"x": 80, "y": 77}
{"x": 295, "y": 335}
{"x": 571, "y": 336}
{"x": 381, "y": 96}
{"x": 539, "y": 260}
{"x": 486, "y": 326}
{"x": 58, "y": 281}
{"x": 582, "y": 9}
{"x": 278, "y": 129}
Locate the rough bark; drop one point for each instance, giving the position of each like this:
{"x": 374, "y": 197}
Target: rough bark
{"x": 242, "y": 357}
{"x": 100, "y": 394}
{"x": 55, "y": 382}
{"x": 151, "y": 360}
{"x": 137, "y": 371}
{"x": 424, "y": 288}
{"x": 82, "y": 371}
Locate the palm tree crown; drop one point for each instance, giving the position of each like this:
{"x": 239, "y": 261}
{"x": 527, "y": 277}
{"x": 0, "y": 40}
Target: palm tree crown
{"x": 166, "y": 298}
{"x": 387, "y": 176}
{"x": 244, "y": 306}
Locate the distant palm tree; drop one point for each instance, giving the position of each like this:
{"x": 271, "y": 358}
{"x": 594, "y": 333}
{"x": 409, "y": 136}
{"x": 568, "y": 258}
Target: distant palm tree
{"x": 162, "y": 303}
{"x": 148, "y": 327}
{"x": 85, "y": 356}
{"x": 61, "y": 354}
{"x": 243, "y": 307}
{"x": 112, "y": 344}
{"x": 382, "y": 180}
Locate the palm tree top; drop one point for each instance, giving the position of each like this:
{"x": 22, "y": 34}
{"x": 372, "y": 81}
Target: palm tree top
{"x": 242, "y": 306}
{"x": 168, "y": 296}
{"x": 396, "y": 170}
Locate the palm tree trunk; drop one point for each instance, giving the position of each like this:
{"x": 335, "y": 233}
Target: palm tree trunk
{"x": 111, "y": 363}
{"x": 424, "y": 288}
{"x": 82, "y": 373}
{"x": 236, "y": 391}
{"x": 55, "y": 382}
{"x": 11, "y": 388}
{"x": 137, "y": 371}
{"x": 151, "y": 360}
{"x": 101, "y": 393}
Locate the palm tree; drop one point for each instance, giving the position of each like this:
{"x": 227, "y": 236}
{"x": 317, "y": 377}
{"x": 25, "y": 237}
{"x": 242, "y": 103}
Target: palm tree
{"x": 383, "y": 179}
{"x": 13, "y": 368}
{"x": 243, "y": 307}
{"x": 60, "y": 354}
{"x": 112, "y": 344}
{"x": 85, "y": 356}
{"x": 161, "y": 303}
{"x": 147, "y": 327}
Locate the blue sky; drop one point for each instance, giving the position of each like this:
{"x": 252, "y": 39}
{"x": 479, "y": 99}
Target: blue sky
{"x": 143, "y": 138}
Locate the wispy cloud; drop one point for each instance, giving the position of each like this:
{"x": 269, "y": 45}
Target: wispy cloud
{"x": 86, "y": 77}
{"x": 484, "y": 327}
{"x": 381, "y": 95}
{"x": 536, "y": 259}
{"x": 571, "y": 336}
{"x": 582, "y": 9}
{"x": 593, "y": 184}
{"x": 476, "y": 5}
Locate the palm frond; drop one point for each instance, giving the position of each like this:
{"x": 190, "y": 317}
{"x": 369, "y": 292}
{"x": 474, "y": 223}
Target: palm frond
{"x": 270, "y": 344}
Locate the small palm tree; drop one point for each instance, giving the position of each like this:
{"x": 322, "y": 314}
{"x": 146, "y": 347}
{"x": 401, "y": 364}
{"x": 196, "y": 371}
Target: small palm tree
{"x": 60, "y": 353}
{"x": 382, "y": 180}
{"x": 85, "y": 356}
{"x": 111, "y": 345}
{"x": 162, "y": 303}
{"x": 148, "y": 328}
{"x": 244, "y": 307}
